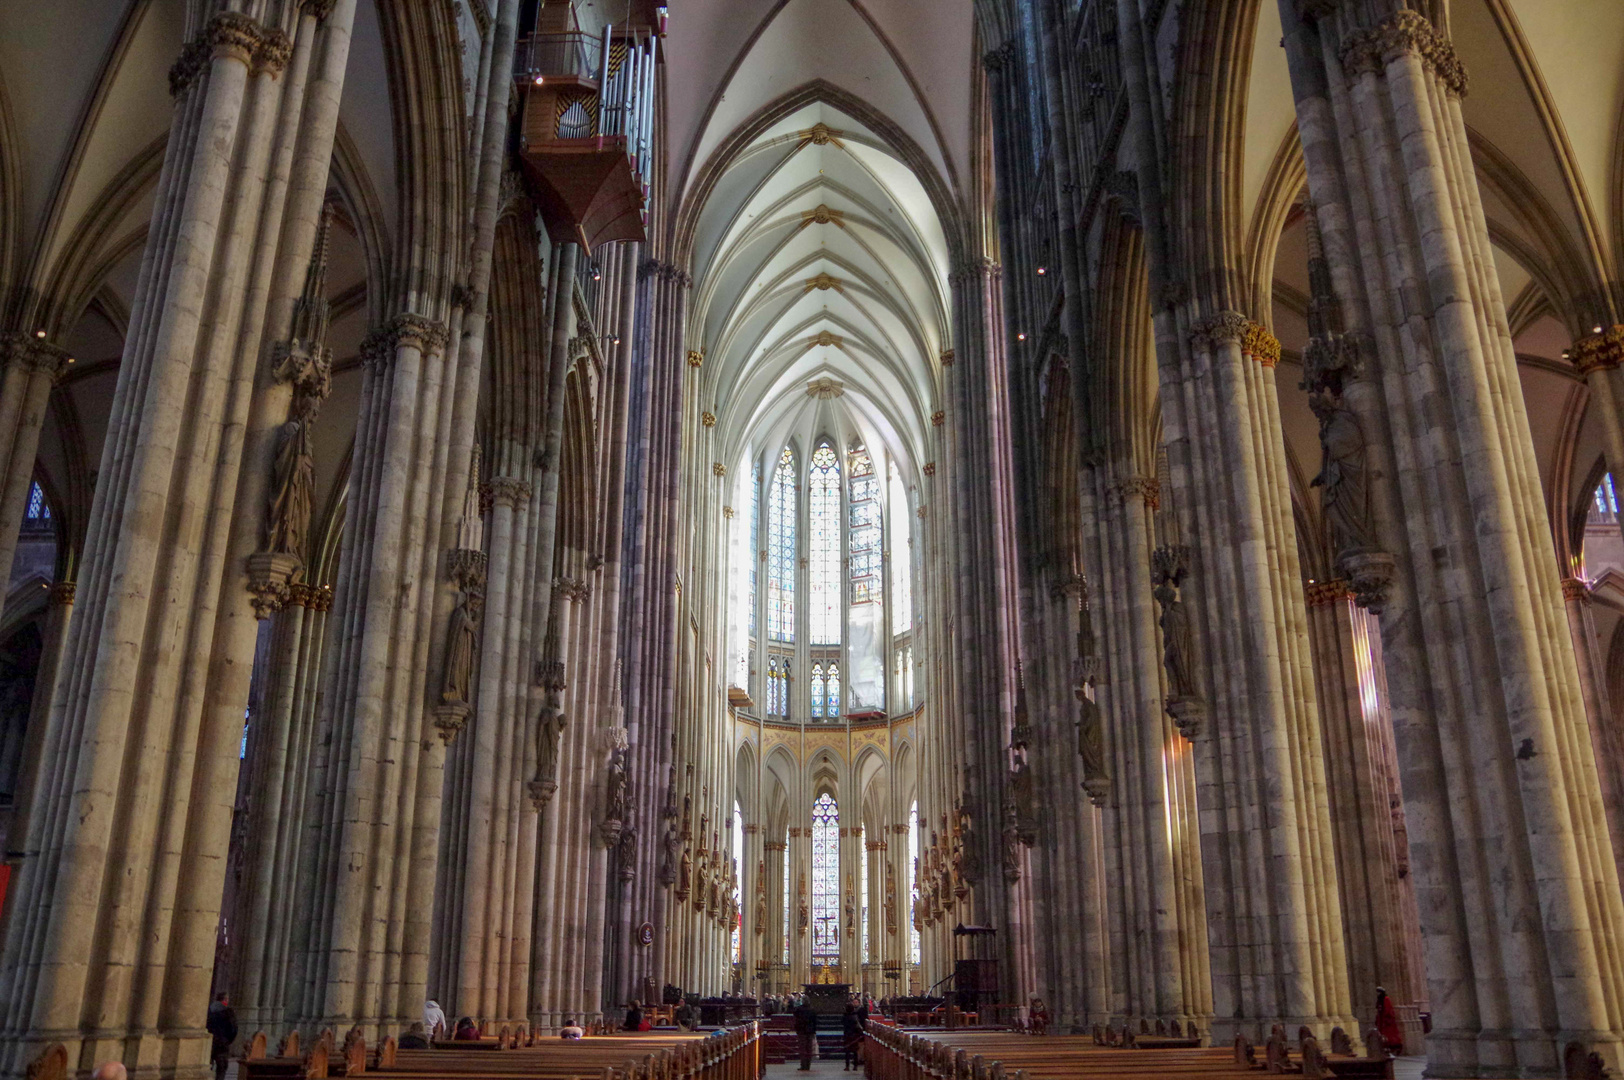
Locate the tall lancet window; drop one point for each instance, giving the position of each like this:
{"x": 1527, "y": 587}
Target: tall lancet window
{"x": 777, "y": 686}
{"x": 825, "y": 882}
{"x": 817, "y": 683}
{"x": 824, "y": 495}
{"x": 866, "y": 585}
{"x": 781, "y": 550}
{"x": 901, "y": 556}
{"x": 738, "y": 879}
{"x": 865, "y": 643}
{"x": 862, "y": 889}
{"x": 755, "y": 546}
{"x": 913, "y": 884}
{"x": 784, "y": 957}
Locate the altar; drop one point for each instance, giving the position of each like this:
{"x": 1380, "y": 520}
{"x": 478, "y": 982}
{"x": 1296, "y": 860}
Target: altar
{"x": 828, "y": 999}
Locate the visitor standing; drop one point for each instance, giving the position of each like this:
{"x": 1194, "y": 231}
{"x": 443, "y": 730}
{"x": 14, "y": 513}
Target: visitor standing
{"x": 222, "y": 1025}
{"x": 806, "y": 1028}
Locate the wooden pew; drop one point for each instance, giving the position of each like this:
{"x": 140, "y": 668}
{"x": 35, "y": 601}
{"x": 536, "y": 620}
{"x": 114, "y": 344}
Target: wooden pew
{"x": 734, "y": 1054}
{"x": 287, "y": 1064}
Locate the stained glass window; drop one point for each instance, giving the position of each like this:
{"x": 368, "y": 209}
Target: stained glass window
{"x": 824, "y": 492}
{"x": 913, "y": 882}
{"x": 1604, "y": 508}
{"x": 788, "y": 899}
{"x": 816, "y": 682}
{"x": 901, "y": 556}
{"x": 831, "y": 690}
{"x": 781, "y": 550}
{"x": 777, "y": 686}
{"x": 755, "y": 542}
{"x": 825, "y": 881}
{"x": 738, "y": 876}
{"x": 862, "y": 888}
{"x": 864, "y": 540}
{"x": 38, "y": 508}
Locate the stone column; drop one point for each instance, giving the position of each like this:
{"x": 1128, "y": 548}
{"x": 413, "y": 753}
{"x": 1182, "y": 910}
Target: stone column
{"x": 32, "y": 366}
{"x": 280, "y": 744}
{"x": 111, "y": 940}
{"x": 1605, "y": 737}
{"x": 1140, "y": 768}
{"x": 58, "y": 616}
{"x": 1367, "y": 813}
{"x": 1240, "y": 684}
{"x": 1510, "y": 854}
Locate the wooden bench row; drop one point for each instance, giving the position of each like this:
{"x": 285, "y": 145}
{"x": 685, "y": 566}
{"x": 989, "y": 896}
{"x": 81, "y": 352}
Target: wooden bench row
{"x": 1312, "y": 1061}
{"x": 896, "y": 1054}
{"x": 731, "y": 1054}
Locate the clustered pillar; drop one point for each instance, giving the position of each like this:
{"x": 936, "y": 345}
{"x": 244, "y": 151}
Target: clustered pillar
{"x": 1516, "y": 884}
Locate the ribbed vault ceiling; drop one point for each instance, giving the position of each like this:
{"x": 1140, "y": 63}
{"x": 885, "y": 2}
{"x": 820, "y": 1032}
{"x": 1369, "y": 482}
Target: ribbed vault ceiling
{"x": 819, "y": 257}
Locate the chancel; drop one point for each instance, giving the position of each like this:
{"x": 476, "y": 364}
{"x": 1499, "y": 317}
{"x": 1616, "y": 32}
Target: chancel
{"x": 1072, "y": 537}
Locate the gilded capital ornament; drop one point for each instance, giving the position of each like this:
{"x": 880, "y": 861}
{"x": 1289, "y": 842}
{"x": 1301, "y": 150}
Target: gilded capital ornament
{"x": 1325, "y": 593}
{"x": 1600, "y": 351}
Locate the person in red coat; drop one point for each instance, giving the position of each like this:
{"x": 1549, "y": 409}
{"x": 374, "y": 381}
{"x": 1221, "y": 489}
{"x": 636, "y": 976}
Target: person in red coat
{"x": 1387, "y": 1024}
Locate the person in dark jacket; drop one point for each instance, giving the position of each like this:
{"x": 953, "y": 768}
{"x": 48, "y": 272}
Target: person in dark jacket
{"x": 806, "y": 1027}
{"x": 851, "y": 1031}
{"x": 416, "y": 1037}
{"x": 634, "y": 1016}
{"x": 222, "y": 1025}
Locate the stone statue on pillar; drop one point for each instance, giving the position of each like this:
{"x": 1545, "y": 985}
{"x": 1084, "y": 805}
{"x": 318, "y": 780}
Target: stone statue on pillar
{"x": 1011, "y": 837}
{"x": 1184, "y": 701}
{"x": 670, "y": 855}
{"x": 1331, "y": 364}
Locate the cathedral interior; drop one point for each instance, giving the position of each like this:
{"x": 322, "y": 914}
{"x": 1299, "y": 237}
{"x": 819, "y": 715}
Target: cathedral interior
{"x": 1080, "y": 507}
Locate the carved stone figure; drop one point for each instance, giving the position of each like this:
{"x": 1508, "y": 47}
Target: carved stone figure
{"x": 293, "y": 486}
{"x": 851, "y": 908}
{"x": 549, "y": 732}
{"x": 761, "y": 897}
{"x": 1024, "y": 802}
{"x": 805, "y": 919}
{"x": 670, "y": 853}
{"x": 684, "y": 875}
{"x": 1178, "y": 641}
{"x": 1091, "y": 745}
{"x": 615, "y": 789}
{"x": 1343, "y": 475}
{"x": 687, "y": 818}
{"x": 1011, "y": 844}
{"x": 628, "y": 853}
{"x": 890, "y": 902}
{"x": 460, "y": 648}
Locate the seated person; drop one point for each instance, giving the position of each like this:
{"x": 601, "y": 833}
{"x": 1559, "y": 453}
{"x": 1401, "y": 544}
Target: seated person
{"x": 634, "y": 1017}
{"x": 686, "y": 1017}
{"x": 416, "y": 1037}
{"x": 466, "y": 1029}
{"x": 570, "y": 1030}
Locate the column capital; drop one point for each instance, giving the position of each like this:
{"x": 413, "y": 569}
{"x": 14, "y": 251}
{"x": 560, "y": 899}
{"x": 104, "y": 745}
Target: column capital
{"x": 406, "y": 330}
{"x": 1575, "y": 589}
{"x": 1367, "y": 52}
{"x": 1599, "y": 351}
{"x": 1147, "y": 488}
{"x": 62, "y": 593}
{"x": 1325, "y": 593}
{"x": 1219, "y": 328}
{"x": 509, "y": 491}
{"x": 33, "y": 353}
{"x": 1261, "y": 345}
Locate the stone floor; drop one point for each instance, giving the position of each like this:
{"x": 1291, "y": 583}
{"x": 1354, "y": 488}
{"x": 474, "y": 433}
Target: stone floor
{"x": 790, "y": 1070}
{"x": 1409, "y": 1068}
